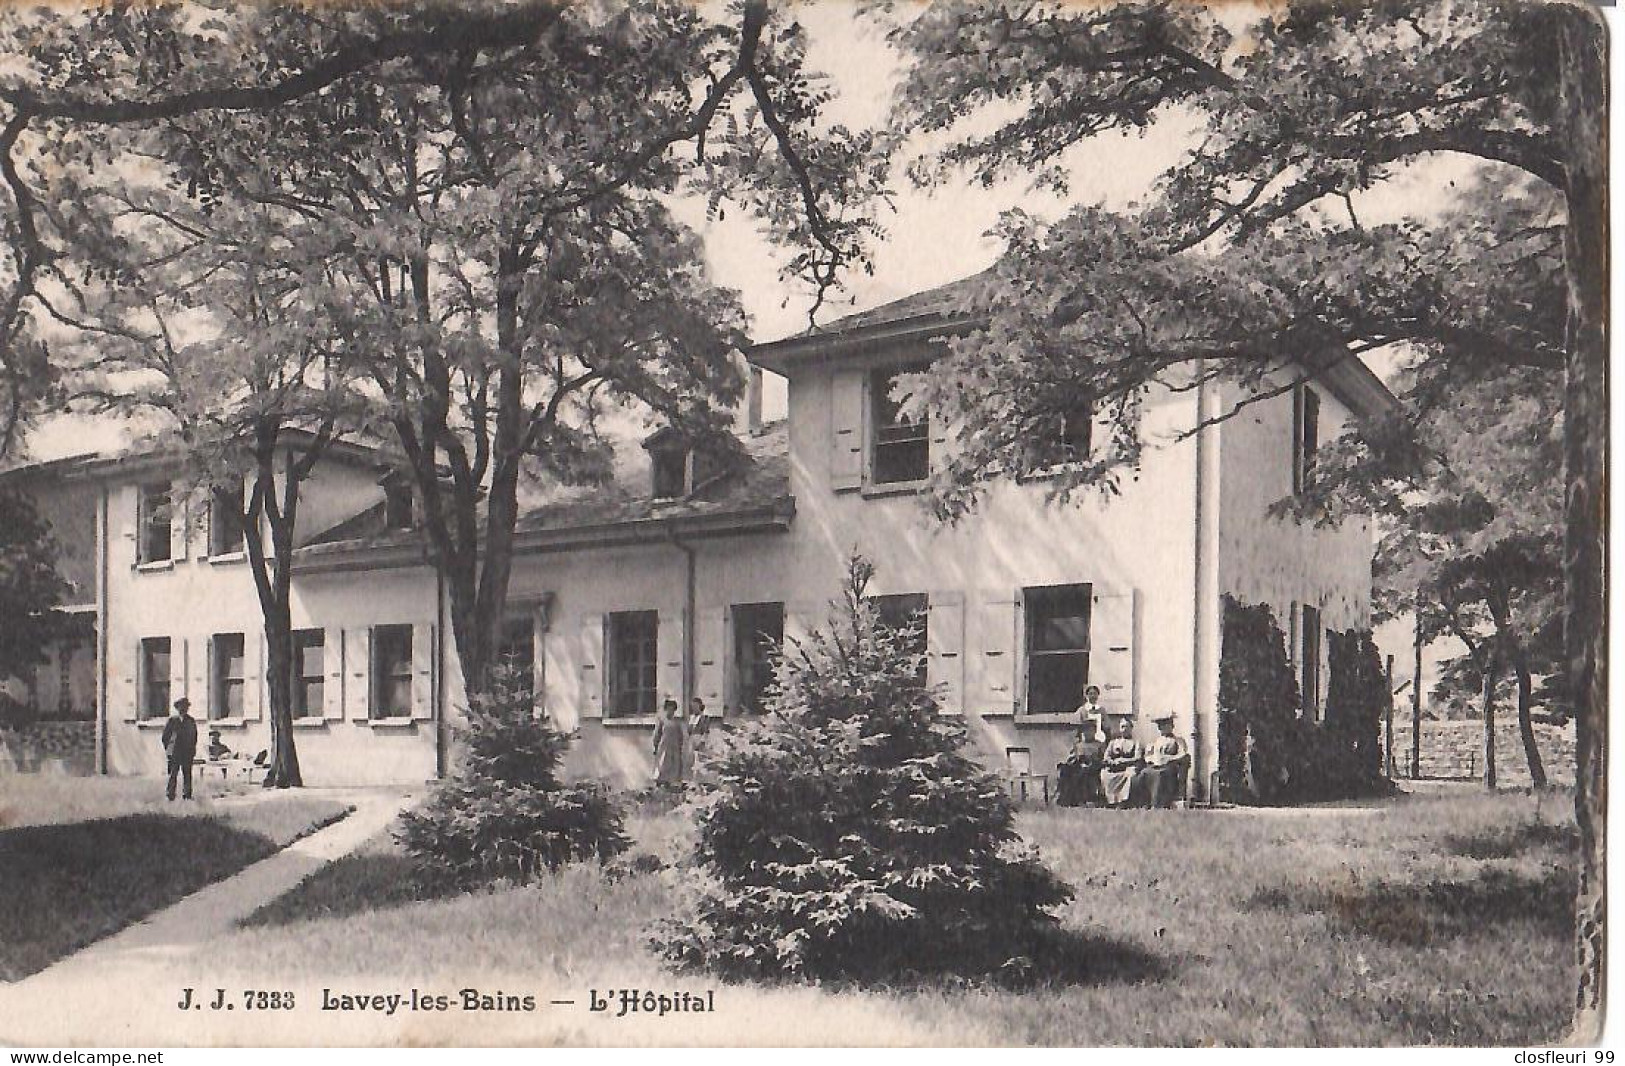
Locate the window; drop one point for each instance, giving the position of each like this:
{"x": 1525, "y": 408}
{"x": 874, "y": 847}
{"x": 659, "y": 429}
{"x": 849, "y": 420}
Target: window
{"x": 516, "y": 650}
{"x": 309, "y": 688}
{"x": 903, "y": 611}
{"x": 155, "y": 677}
{"x": 633, "y": 663}
{"x": 1305, "y": 435}
{"x": 900, "y": 449}
{"x": 226, "y": 681}
{"x": 226, "y": 519}
{"x": 1057, "y": 623}
{"x": 758, "y": 637}
{"x": 391, "y": 672}
{"x": 670, "y": 471}
{"x": 1309, "y": 635}
{"x": 155, "y": 511}
{"x": 397, "y": 506}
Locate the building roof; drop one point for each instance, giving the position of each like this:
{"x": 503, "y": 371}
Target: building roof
{"x": 146, "y": 457}
{"x": 940, "y": 312}
{"x": 753, "y": 496}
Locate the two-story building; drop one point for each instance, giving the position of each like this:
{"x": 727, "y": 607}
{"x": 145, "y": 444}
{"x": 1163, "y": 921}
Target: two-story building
{"x": 680, "y": 579}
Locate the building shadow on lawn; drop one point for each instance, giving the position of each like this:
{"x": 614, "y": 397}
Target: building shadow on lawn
{"x": 1420, "y": 913}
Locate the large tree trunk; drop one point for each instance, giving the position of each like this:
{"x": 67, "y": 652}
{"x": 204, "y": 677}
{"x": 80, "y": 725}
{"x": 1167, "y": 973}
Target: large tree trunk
{"x": 273, "y": 581}
{"x": 1492, "y": 672}
{"x": 284, "y": 772}
{"x": 1585, "y": 432}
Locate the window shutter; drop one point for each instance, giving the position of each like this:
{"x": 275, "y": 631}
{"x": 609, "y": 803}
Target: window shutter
{"x": 357, "y": 669}
{"x": 255, "y": 694}
{"x": 846, "y": 430}
{"x": 177, "y": 670}
{"x": 711, "y": 649}
{"x": 200, "y": 686}
{"x": 945, "y": 646}
{"x": 333, "y": 675}
{"x": 1111, "y": 649}
{"x": 180, "y": 506}
{"x": 423, "y": 660}
{"x": 592, "y": 666}
{"x": 129, "y": 517}
{"x": 943, "y": 434}
{"x": 1001, "y": 622}
{"x": 669, "y": 656}
{"x": 126, "y": 691}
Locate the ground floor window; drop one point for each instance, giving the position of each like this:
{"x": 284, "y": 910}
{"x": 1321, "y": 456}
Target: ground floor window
{"x": 309, "y": 687}
{"x": 758, "y": 635}
{"x": 1309, "y": 634}
{"x": 391, "y": 671}
{"x": 516, "y": 651}
{"x": 633, "y": 643}
{"x": 1057, "y": 619}
{"x": 155, "y": 677}
{"x": 227, "y": 683}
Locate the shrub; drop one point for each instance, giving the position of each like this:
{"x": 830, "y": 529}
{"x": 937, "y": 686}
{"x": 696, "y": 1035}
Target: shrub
{"x": 849, "y": 837}
{"x": 1356, "y": 698}
{"x": 505, "y": 815}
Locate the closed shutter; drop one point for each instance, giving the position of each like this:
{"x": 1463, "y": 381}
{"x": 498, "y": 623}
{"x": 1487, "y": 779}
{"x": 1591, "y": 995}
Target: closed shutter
{"x": 180, "y": 528}
{"x": 357, "y": 671}
{"x": 177, "y": 671}
{"x": 669, "y": 656}
{"x": 1111, "y": 649}
{"x": 943, "y": 434}
{"x": 1000, "y": 624}
{"x": 200, "y": 680}
{"x": 333, "y": 675}
{"x": 945, "y": 646}
{"x": 846, "y": 430}
{"x": 592, "y": 666}
{"x": 423, "y": 660}
{"x": 255, "y": 696}
{"x": 711, "y": 670}
{"x": 126, "y": 689}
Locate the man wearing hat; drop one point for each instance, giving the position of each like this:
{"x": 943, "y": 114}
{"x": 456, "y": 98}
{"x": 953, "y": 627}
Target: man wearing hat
{"x": 180, "y": 746}
{"x": 1167, "y": 761}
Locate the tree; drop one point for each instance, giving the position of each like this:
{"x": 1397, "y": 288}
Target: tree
{"x": 496, "y": 175}
{"x": 849, "y": 835}
{"x": 1317, "y": 103}
{"x": 30, "y": 587}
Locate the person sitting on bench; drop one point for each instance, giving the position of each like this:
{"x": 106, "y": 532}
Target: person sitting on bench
{"x": 1168, "y": 762}
{"x": 217, "y": 747}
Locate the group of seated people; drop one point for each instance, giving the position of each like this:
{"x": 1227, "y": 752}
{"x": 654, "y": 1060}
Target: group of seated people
{"x": 221, "y": 756}
{"x": 1119, "y": 771}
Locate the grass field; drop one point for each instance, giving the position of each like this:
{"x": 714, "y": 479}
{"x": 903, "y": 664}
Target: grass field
{"x": 83, "y": 858}
{"x": 1431, "y": 920}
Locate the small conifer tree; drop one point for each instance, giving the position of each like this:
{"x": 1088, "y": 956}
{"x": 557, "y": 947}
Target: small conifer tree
{"x": 505, "y": 815}
{"x": 849, "y": 836}
{"x": 1258, "y": 706}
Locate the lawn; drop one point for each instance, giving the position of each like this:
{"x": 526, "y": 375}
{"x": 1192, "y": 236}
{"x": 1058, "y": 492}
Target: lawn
{"x": 83, "y": 858}
{"x": 1430, "y": 920}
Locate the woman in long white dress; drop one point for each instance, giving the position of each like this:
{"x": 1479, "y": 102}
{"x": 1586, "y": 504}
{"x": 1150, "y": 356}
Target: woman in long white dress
{"x": 1122, "y": 761}
{"x": 673, "y": 746}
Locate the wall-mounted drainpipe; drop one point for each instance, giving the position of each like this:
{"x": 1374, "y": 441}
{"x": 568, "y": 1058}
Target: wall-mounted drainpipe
{"x": 689, "y": 615}
{"x": 1206, "y": 621}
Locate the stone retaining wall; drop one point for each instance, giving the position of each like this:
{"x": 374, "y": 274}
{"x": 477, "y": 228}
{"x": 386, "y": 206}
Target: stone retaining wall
{"x": 1456, "y": 749}
{"x": 49, "y": 747}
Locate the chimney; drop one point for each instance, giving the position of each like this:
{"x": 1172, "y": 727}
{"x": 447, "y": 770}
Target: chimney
{"x": 748, "y": 415}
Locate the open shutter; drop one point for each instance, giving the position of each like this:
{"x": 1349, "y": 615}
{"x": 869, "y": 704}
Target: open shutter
{"x": 333, "y": 675}
{"x": 177, "y": 671}
{"x": 200, "y": 677}
{"x": 1001, "y": 615}
{"x": 945, "y": 646}
{"x": 712, "y": 666}
{"x": 357, "y": 668}
{"x": 180, "y": 526}
{"x": 669, "y": 656}
{"x": 255, "y": 694}
{"x": 943, "y": 436}
{"x": 592, "y": 666}
{"x": 846, "y": 430}
{"x": 126, "y": 689}
{"x": 423, "y": 659}
{"x": 1111, "y": 649}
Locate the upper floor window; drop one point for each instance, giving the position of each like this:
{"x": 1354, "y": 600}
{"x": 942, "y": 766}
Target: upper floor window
{"x": 226, "y": 519}
{"x": 397, "y": 506}
{"x": 1305, "y": 435}
{"x": 899, "y": 447}
{"x": 907, "y": 613}
{"x": 1070, "y": 433}
{"x": 633, "y": 663}
{"x": 391, "y": 671}
{"x": 155, "y": 515}
{"x": 1057, "y": 624}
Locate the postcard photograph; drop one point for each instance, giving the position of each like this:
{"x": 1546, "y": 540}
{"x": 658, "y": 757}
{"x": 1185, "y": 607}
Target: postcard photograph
{"x": 854, "y": 522}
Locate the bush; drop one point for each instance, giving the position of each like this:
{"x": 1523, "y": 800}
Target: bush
{"x": 505, "y": 815}
{"x": 848, "y": 837}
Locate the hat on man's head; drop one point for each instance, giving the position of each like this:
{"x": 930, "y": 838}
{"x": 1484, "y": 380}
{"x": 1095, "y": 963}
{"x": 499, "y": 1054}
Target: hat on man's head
{"x": 1166, "y": 716}
{"x": 183, "y": 704}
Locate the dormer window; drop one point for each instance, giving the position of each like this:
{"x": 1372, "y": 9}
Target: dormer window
{"x": 677, "y": 470}
{"x": 397, "y": 506}
{"x": 670, "y": 469}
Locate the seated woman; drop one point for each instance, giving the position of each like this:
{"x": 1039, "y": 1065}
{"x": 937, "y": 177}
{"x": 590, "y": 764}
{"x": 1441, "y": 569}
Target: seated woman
{"x": 1120, "y": 763}
{"x": 1168, "y": 762}
{"x": 1078, "y": 775}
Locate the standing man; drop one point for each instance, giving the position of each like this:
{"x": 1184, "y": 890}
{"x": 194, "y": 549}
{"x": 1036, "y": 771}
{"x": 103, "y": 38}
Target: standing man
{"x": 180, "y": 746}
{"x": 1168, "y": 762}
